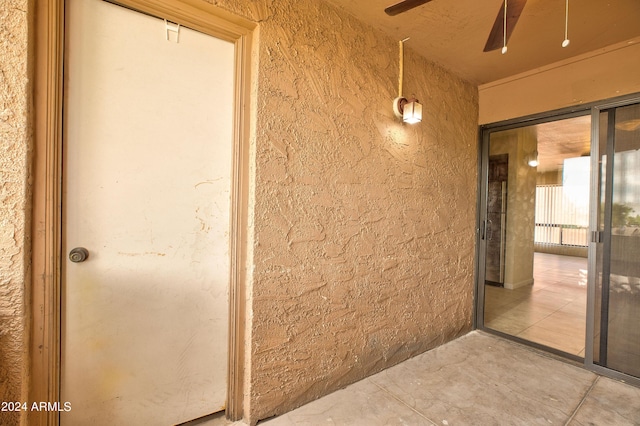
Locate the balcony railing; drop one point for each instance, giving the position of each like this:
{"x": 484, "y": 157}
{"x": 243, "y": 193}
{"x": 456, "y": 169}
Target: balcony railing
{"x": 562, "y": 235}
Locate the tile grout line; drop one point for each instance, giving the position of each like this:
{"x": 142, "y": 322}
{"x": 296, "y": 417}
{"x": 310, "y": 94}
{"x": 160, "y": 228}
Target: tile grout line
{"x": 539, "y": 321}
{"x": 551, "y": 278}
{"x": 391, "y": 394}
{"x": 584, "y": 398}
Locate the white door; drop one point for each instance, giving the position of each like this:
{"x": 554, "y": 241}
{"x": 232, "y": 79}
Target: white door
{"x": 147, "y": 166}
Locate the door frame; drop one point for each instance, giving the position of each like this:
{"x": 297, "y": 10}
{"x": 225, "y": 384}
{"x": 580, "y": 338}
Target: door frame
{"x": 594, "y": 229}
{"x": 46, "y": 215}
{"x": 593, "y": 109}
{"x": 485, "y": 132}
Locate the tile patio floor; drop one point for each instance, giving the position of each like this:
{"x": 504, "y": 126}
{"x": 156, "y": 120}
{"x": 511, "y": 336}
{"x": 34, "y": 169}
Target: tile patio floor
{"x": 478, "y": 379}
{"x": 551, "y": 312}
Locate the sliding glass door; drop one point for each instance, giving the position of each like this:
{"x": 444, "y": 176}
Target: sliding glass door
{"x": 534, "y": 238}
{"x": 615, "y": 324}
{"x": 559, "y": 235}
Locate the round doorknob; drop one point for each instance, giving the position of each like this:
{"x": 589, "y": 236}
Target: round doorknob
{"x": 78, "y": 254}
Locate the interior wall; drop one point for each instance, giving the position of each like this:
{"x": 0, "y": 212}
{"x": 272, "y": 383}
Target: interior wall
{"x": 15, "y": 143}
{"x": 364, "y": 227}
{"x": 595, "y": 76}
{"x": 521, "y": 198}
{"x": 553, "y": 177}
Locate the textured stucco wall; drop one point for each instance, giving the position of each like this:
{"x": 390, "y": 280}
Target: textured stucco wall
{"x": 15, "y": 140}
{"x": 364, "y": 228}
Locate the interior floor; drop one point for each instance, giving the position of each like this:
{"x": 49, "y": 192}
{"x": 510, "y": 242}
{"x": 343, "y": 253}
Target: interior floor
{"x": 476, "y": 379}
{"x": 551, "y": 312}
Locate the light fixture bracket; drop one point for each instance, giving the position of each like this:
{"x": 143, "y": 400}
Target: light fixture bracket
{"x": 398, "y": 105}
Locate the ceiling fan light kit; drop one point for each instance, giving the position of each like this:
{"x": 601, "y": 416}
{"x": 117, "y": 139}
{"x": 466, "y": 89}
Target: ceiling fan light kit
{"x": 502, "y": 27}
{"x": 409, "y": 110}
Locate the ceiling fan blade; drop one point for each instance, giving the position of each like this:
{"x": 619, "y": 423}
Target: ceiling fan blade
{"x": 496, "y": 37}
{"x": 403, "y": 6}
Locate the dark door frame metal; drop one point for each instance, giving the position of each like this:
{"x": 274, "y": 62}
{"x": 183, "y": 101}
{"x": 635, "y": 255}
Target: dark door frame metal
{"x": 602, "y": 237}
{"x": 594, "y": 109}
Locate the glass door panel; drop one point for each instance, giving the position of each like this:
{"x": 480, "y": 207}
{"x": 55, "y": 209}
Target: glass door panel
{"x": 617, "y": 303}
{"x": 535, "y": 232}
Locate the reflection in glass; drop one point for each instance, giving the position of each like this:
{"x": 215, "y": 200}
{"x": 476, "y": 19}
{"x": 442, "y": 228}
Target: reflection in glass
{"x": 536, "y": 233}
{"x": 618, "y": 308}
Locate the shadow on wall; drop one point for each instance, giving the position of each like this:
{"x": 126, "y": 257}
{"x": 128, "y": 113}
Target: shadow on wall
{"x": 9, "y": 374}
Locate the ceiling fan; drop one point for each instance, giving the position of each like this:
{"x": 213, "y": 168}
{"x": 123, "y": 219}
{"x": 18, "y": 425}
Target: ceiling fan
{"x": 496, "y": 36}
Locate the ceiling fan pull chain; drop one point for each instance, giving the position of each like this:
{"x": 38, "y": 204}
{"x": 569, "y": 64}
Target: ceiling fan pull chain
{"x": 566, "y": 41}
{"x": 504, "y": 44}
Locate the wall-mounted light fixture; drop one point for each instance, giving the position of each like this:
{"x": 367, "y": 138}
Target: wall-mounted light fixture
{"x": 532, "y": 159}
{"x": 410, "y": 109}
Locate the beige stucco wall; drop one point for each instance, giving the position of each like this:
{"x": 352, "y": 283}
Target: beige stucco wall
{"x": 363, "y": 227}
{"x": 15, "y": 142}
{"x": 594, "y": 76}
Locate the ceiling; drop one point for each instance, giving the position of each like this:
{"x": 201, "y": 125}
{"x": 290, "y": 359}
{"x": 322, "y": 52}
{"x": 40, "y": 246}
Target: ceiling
{"x": 562, "y": 139}
{"x": 453, "y": 33}
{"x": 571, "y": 137}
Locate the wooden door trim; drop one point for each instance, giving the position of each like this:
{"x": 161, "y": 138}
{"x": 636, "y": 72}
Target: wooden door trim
{"x": 45, "y": 302}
